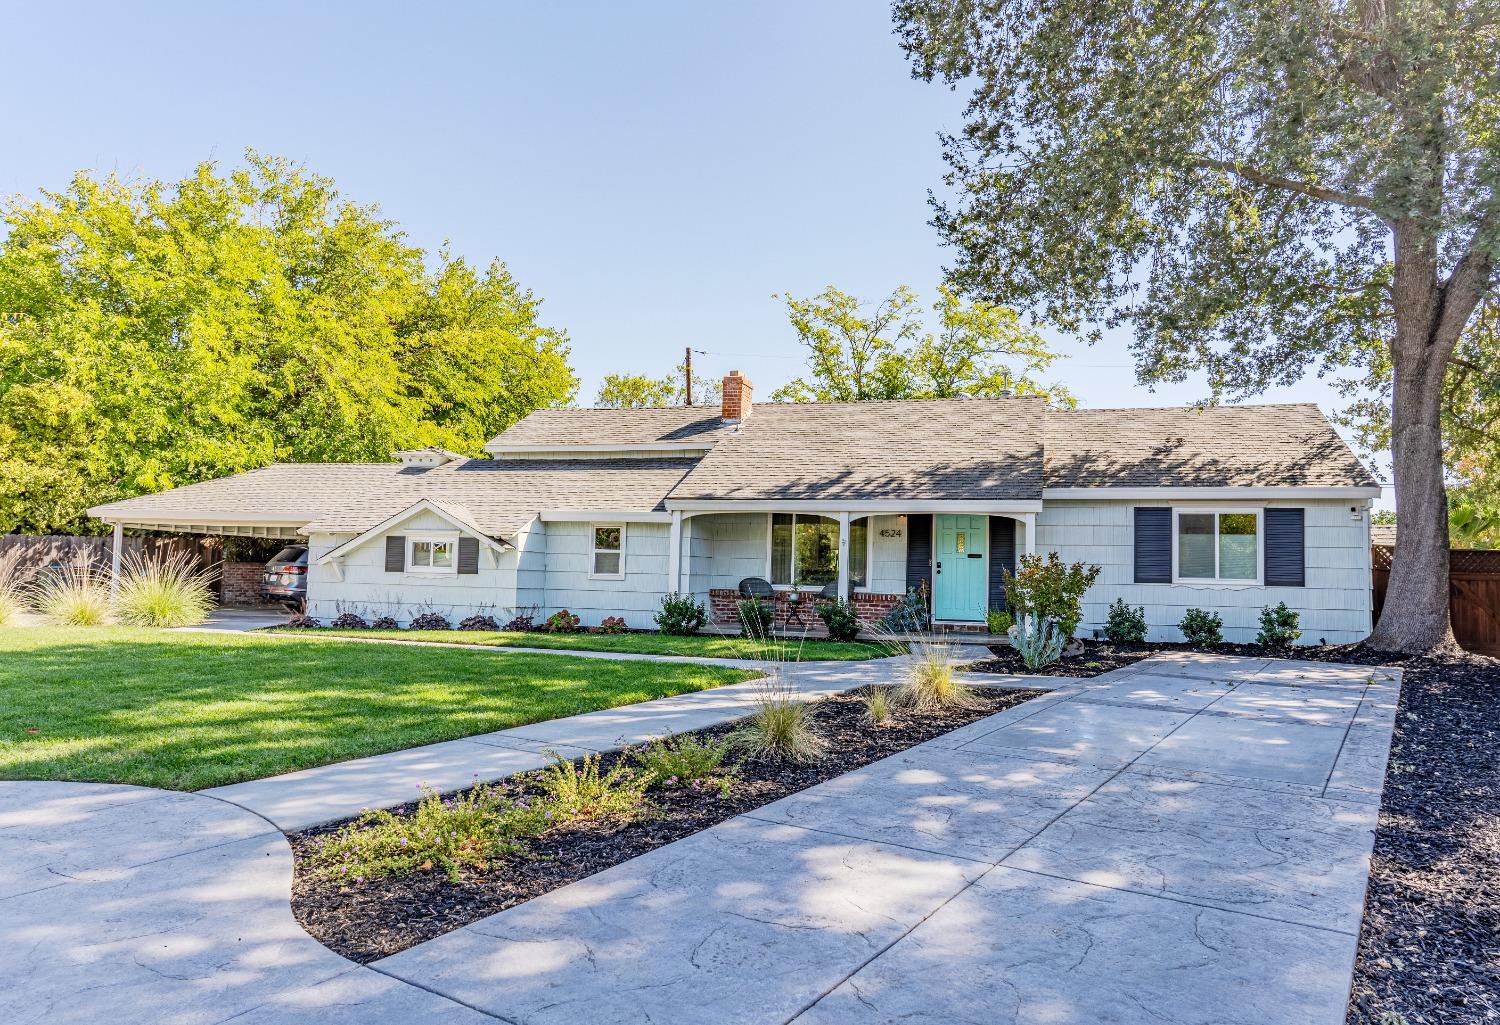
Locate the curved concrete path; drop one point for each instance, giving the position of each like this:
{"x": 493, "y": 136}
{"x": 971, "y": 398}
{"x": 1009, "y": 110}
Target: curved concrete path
{"x": 1184, "y": 841}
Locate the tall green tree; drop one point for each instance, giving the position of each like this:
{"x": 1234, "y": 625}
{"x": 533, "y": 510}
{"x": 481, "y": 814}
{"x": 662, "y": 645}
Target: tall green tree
{"x": 635, "y": 391}
{"x": 858, "y": 352}
{"x": 1256, "y": 187}
{"x": 154, "y": 334}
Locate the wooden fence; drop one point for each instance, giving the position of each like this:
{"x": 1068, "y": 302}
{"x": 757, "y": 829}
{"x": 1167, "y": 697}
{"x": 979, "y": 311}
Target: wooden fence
{"x": 1473, "y": 594}
{"x": 39, "y": 554}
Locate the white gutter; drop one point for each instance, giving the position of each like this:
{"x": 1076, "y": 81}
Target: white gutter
{"x": 675, "y": 447}
{"x": 897, "y": 505}
{"x": 603, "y": 516}
{"x": 1125, "y": 494}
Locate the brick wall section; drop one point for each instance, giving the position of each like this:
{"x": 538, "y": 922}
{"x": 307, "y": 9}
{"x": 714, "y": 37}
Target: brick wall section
{"x": 724, "y": 606}
{"x": 239, "y": 583}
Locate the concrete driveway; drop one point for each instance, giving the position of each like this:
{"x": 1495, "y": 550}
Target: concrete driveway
{"x": 1186, "y": 841}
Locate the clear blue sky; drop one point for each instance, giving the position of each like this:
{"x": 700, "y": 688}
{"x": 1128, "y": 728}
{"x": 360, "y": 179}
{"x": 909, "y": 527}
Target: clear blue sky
{"x": 656, "y": 172}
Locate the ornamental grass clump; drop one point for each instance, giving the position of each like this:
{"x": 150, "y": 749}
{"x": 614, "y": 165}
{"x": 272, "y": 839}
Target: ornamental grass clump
{"x": 164, "y": 591}
{"x": 76, "y": 594}
{"x": 781, "y": 729}
{"x": 930, "y": 683}
{"x": 578, "y": 790}
{"x": 877, "y": 706}
{"x": 455, "y": 834}
{"x": 13, "y": 581}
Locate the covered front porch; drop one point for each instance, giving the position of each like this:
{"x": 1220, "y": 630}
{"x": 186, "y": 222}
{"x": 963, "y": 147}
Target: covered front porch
{"x": 951, "y": 553}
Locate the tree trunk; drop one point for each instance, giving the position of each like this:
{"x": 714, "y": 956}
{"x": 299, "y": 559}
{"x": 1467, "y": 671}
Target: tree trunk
{"x": 1415, "y": 618}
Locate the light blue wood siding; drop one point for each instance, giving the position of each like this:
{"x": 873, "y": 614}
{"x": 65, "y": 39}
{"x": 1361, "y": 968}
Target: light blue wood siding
{"x": 1335, "y": 604}
{"x": 637, "y": 597}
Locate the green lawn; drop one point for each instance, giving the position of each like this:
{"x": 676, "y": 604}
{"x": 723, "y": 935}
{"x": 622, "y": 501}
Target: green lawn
{"x": 187, "y": 711}
{"x": 701, "y": 645}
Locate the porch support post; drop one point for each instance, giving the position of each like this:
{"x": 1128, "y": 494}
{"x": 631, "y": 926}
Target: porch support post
{"x": 674, "y": 553}
{"x": 1028, "y": 520}
{"x": 843, "y": 518}
{"x": 116, "y": 545}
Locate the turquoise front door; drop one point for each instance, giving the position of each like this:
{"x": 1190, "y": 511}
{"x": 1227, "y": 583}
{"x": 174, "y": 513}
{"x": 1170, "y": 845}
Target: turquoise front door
{"x": 960, "y": 568}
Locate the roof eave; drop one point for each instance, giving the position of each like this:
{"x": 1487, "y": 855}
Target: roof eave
{"x": 1349, "y": 491}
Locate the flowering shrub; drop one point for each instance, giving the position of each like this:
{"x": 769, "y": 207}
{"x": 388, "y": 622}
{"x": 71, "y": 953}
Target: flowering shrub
{"x": 681, "y": 615}
{"x": 611, "y": 625}
{"x": 561, "y": 622}
{"x": 385, "y": 623}
{"x": 522, "y": 622}
{"x": 479, "y": 623}
{"x": 431, "y": 621}
{"x": 349, "y": 621}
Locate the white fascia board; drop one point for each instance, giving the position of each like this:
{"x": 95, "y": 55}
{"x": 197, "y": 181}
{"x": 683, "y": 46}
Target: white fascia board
{"x": 1203, "y": 494}
{"x": 677, "y": 447}
{"x": 238, "y": 519}
{"x": 422, "y": 505}
{"x": 603, "y": 516}
{"x": 891, "y": 505}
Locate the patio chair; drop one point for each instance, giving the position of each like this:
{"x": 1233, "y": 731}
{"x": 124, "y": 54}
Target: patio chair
{"x": 757, "y": 587}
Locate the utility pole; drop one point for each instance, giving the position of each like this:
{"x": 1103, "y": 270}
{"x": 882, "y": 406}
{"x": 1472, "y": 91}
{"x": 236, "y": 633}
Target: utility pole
{"x": 687, "y": 372}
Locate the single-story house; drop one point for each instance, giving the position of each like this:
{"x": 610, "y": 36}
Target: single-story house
{"x": 602, "y": 511}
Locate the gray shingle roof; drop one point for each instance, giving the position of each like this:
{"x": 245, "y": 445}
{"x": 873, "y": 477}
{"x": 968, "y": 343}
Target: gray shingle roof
{"x": 1290, "y": 445}
{"x": 956, "y": 449}
{"x": 281, "y": 491}
{"x": 503, "y": 495}
{"x": 669, "y": 424}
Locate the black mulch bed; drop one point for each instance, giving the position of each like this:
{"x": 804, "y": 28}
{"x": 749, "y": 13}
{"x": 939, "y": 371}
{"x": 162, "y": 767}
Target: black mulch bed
{"x": 1096, "y": 657}
{"x": 1429, "y": 953}
{"x": 370, "y": 920}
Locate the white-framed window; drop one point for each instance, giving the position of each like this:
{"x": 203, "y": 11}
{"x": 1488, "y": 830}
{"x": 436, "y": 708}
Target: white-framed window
{"x": 804, "y": 551}
{"x": 432, "y": 553}
{"x": 1217, "y": 546}
{"x": 608, "y": 552}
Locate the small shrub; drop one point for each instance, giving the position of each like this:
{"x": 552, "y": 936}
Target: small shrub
{"x": 301, "y": 622}
{"x": 1048, "y": 588}
{"x": 681, "y": 615}
{"x": 561, "y": 622}
{"x": 1126, "y": 625}
{"x": 680, "y": 761}
{"x": 756, "y": 617}
{"x": 349, "y": 621}
{"x": 385, "y": 623}
{"x": 479, "y": 622}
{"x": 430, "y": 621}
{"x": 611, "y": 625}
{"x": 76, "y": 594}
{"x": 521, "y": 623}
{"x": 999, "y": 621}
{"x": 1278, "y": 627}
{"x": 581, "y": 791}
{"x": 1038, "y": 641}
{"x": 1202, "y": 629}
{"x": 781, "y": 728}
{"x": 930, "y": 682}
{"x": 909, "y": 615}
{"x": 465, "y": 832}
{"x": 840, "y": 618}
{"x": 877, "y": 706}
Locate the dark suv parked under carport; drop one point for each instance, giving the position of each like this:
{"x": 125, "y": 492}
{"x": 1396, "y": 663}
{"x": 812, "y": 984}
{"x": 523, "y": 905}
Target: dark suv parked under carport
{"x": 285, "y": 578}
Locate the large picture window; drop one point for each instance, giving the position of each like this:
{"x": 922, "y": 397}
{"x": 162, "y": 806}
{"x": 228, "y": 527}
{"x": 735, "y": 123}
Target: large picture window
{"x": 609, "y": 551}
{"x": 1218, "y": 546}
{"x": 805, "y": 550}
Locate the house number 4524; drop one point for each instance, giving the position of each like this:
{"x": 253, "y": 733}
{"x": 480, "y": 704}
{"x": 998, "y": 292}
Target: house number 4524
{"x": 891, "y": 532}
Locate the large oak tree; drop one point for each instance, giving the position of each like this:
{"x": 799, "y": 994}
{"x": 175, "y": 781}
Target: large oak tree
{"x": 1257, "y": 188}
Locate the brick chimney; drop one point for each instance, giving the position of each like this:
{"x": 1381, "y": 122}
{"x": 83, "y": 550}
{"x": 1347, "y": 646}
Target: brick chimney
{"x": 736, "y": 404}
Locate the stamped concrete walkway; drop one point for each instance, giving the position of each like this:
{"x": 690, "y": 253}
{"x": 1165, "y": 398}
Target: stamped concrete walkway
{"x": 1185, "y": 841}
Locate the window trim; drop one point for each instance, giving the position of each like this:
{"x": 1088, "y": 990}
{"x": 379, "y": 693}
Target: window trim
{"x": 594, "y": 551}
{"x": 869, "y": 550}
{"x": 449, "y": 538}
{"x": 1216, "y": 581}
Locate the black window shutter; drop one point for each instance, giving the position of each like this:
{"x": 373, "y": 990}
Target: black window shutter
{"x": 1286, "y": 547}
{"x": 1002, "y": 557}
{"x": 395, "y": 554}
{"x": 919, "y": 551}
{"x": 468, "y": 555}
{"x": 1153, "y": 545}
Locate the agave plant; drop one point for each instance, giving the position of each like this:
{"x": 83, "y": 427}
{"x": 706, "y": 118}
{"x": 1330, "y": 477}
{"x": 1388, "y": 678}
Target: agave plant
{"x": 1037, "y": 640}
